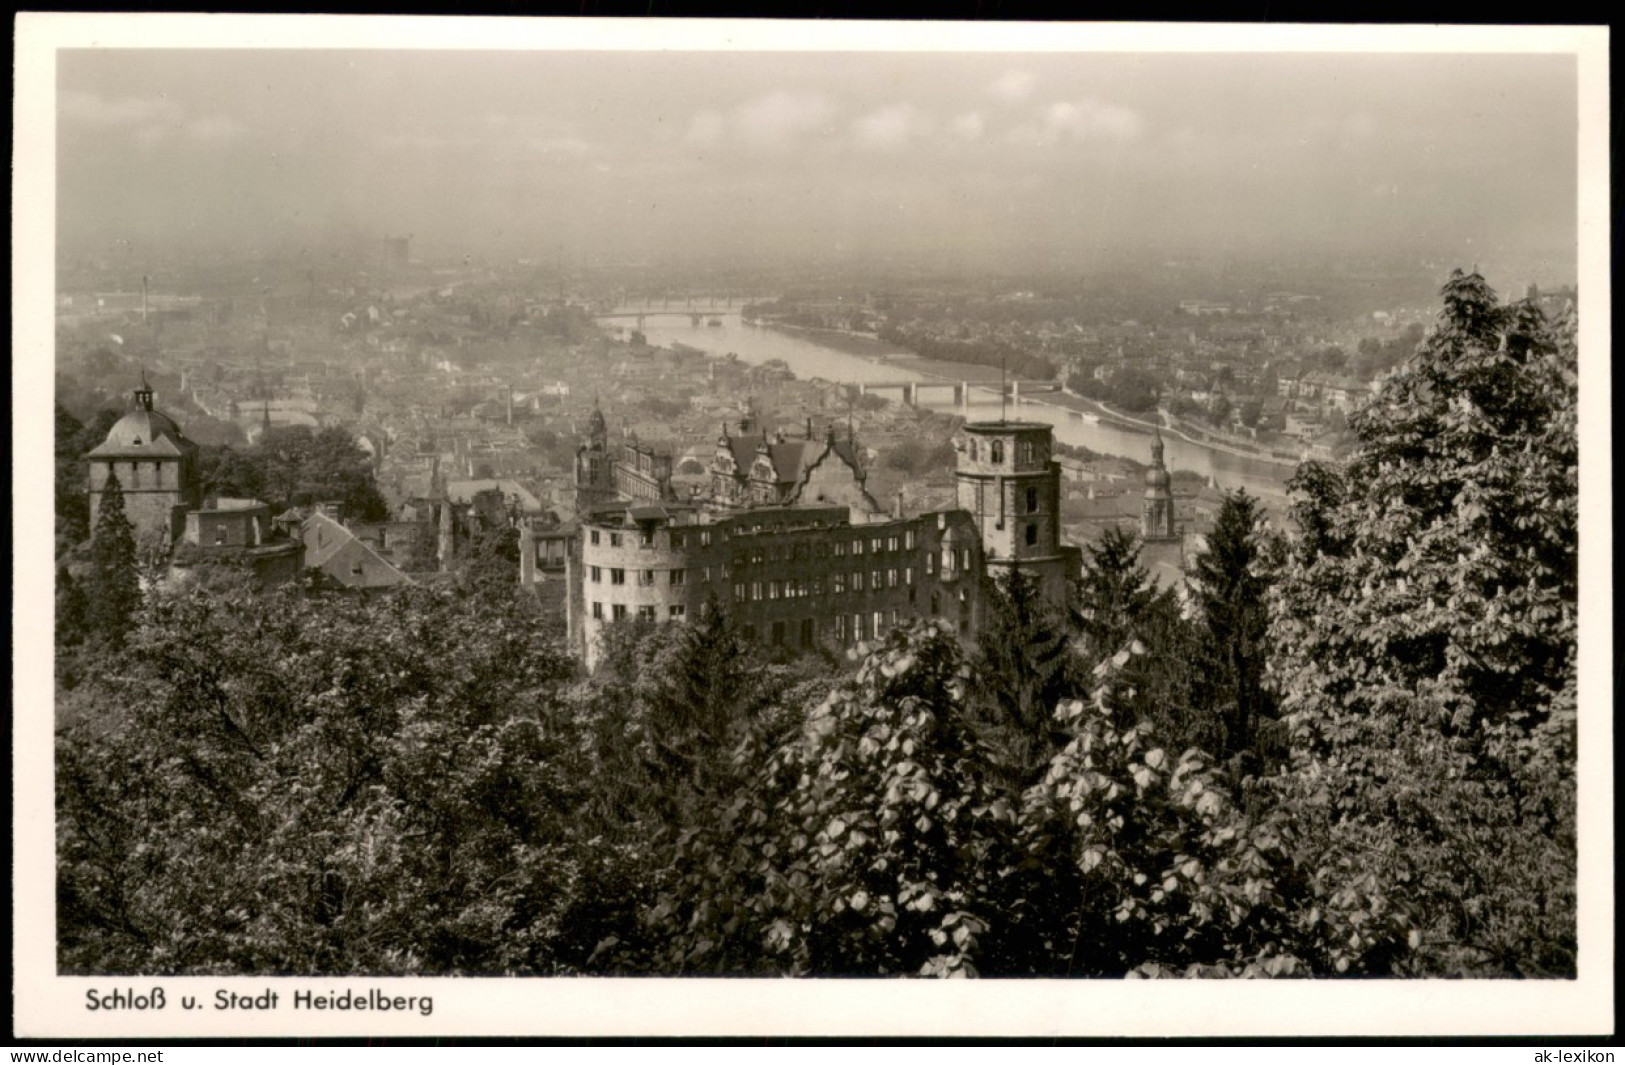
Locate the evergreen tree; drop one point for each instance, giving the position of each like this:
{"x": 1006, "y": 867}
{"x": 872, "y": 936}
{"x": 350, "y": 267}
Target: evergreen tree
{"x": 115, "y": 589}
{"x": 72, "y": 501}
{"x": 1229, "y": 588}
{"x": 1113, "y": 592}
{"x": 1024, "y": 664}
{"x": 72, "y": 610}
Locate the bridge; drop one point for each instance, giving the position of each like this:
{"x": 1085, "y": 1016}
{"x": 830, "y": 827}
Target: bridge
{"x": 909, "y": 391}
{"x": 673, "y": 312}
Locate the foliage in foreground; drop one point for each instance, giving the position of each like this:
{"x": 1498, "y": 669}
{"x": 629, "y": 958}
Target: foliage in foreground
{"x": 281, "y": 784}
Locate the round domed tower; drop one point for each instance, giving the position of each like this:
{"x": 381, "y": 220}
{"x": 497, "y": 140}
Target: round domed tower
{"x": 156, "y": 467}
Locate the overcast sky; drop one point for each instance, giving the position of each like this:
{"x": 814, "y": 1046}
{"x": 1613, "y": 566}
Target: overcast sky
{"x": 961, "y": 157}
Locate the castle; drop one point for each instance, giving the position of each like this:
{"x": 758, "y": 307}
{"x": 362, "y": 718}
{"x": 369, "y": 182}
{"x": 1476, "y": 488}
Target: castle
{"x": 791, "y": 544}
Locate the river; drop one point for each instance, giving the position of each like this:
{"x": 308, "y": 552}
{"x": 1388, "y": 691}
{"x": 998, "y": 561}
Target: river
{"x": 808, "y": 359}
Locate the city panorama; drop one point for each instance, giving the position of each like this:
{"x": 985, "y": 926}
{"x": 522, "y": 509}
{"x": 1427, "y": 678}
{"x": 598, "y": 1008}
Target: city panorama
{"x": 884, "y": 515}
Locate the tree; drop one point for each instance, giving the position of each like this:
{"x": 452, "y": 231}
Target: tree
{"x": 1024, "y": 663}
{"x": 1118, "y": 608}
{"x": 1229, "y": 587}
{"x": 72, "y": 499}
{"x": 1114, "y": 591}
{"x": 1426, "y": 632}
{"x": 72, "y": 610}
{"x": 1250, "y": 411}
{"x": 1134, "y": 390}
{"x": 277, "y": 784}
{"x": 114, "y": 593}
{"x": 298, "y": 467}
{"x": 853, "y": 851}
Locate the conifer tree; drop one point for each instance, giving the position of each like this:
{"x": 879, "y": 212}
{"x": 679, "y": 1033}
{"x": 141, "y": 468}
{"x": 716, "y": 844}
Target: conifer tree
{"x": 71, "y": 610}
{"x": 1113, "y": 591}
{"x": 1023, "y": 666}
{"x": 115, "y": 590}
{"x": 1230, "y": 590}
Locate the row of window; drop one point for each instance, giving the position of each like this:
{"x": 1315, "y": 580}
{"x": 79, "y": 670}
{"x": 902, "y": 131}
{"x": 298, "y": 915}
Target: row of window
{"x": 822, "y": 549}
{"x": 675, "y": 578}
{"x": 646, "y": 538}
{"x": 839, "y": 584}
{"x": 848, "y": 628}
{"x": 617, "y": 612}
{"x": 134, "y": 480}
{"x": 1026, "y": 451}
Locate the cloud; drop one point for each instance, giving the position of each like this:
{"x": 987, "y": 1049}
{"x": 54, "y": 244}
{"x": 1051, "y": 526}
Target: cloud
{"x": 148, "y": 120}
{"x": 89, "y": 109}
{"x": 969, "y": 126}
{"x": 215, "y": 128}
{"x": 1084, "y": 120}
{"x": 707, "y": 127}
{"x": 1013, "y": 87}
{"x": 557, "y": 145}
{"x": 780, "y": 118}
{"x": 889, "y": 128}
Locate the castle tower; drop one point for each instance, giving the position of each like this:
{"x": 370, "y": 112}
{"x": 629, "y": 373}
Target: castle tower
{"x": 156, "y": 467}
{"x": 1157, "y": 511}
{"x": 1009, "y": 483}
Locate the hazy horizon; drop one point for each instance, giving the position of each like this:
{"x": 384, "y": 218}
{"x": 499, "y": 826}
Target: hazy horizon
{"x": 946, "y": 159}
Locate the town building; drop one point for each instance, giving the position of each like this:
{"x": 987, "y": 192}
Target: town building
{"x": 343, "y": 556}
{"x": 241, "y": 533}
{"x": 755, "y": 468}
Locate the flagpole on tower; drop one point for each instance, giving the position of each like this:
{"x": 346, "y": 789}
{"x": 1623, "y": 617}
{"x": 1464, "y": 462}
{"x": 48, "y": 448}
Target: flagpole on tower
{"x": 1003, "y": 360}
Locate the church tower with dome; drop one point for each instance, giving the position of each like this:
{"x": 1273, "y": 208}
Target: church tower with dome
{"x": 156, "y": 466}
{"x": 1157, "y": 512}
{"x": 595, "y": 479}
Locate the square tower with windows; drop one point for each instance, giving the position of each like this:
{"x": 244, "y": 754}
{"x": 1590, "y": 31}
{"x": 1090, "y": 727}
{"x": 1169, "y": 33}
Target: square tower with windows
{"x": 1009, "y": 482}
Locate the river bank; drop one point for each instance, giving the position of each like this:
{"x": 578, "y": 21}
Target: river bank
{"x": 987, "y": 377}
{"x": 1128, "y": 420}
{"x": 811, "y": 354}
{"x": 866, "y": 345}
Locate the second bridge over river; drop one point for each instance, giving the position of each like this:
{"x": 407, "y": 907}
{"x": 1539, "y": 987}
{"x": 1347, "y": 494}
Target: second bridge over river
{"x": 957, "y": 392}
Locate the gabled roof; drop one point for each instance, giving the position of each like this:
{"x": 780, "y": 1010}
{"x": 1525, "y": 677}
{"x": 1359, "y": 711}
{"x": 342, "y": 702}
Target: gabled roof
{"x": 335, "y": 539}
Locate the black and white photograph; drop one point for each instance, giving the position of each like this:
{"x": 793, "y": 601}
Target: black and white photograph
{"x": 597, "y": 527}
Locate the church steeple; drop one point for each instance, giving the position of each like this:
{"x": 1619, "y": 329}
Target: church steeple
{"x": 1157, "y": 511}
{"x": 143, "y": 395}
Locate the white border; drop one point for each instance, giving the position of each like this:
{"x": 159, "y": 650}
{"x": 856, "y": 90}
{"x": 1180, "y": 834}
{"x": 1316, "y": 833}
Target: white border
{"x": 48, "y": 1005}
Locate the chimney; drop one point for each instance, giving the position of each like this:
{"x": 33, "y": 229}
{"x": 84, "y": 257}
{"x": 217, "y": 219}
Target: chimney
{"x": 527, "y": 555}
{"x": 897, "y": 508}
{"x": 332, "y": 510}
